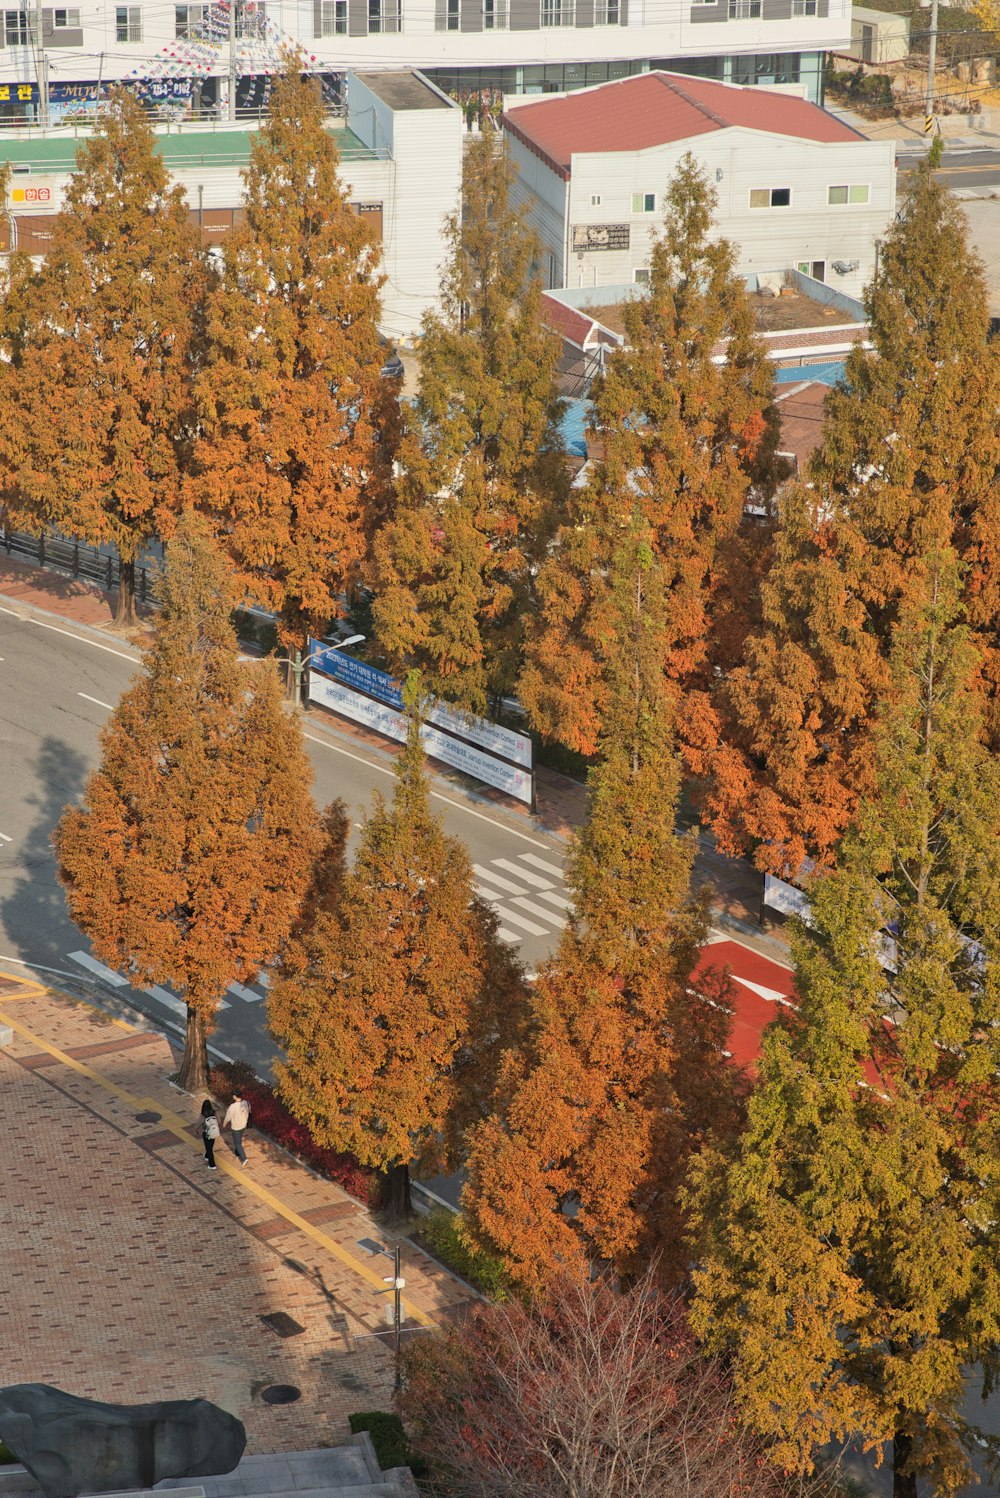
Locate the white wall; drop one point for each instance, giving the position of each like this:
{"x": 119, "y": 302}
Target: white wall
{"x": 810, "y": 229}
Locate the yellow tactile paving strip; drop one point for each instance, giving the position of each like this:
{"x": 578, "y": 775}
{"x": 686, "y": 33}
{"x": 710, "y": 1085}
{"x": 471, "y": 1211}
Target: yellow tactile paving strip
{"x": 132, "y": 1273}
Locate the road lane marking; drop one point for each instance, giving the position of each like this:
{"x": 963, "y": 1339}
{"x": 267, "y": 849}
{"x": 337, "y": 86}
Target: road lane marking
{"x": 514, "y": 868}
{"x": 539, "y": 863}
{"x": 506, "y": 935}
{"x": 249, "y": 994}
{"x": 522, "y": 921}
{"x": 170, "y": 1000}
{"x": 4, "y": 838}
{"x": 96, "y": 701}
{"x": 71, "y": 634}
{"x": 554, "y": 916}
{"x": 39, "y": 967}
{"x": 554, "y": 899}
{"x": 98, "y": 968}
{"x": 488, "y": 877}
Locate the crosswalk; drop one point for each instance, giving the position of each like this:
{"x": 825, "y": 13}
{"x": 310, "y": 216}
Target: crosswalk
{"x": 527, "y": 893}
{"x": 243, "y": 992}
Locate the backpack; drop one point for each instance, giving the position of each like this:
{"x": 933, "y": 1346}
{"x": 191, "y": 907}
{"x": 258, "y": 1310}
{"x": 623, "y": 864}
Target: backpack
{"x": 211, "y": 1127}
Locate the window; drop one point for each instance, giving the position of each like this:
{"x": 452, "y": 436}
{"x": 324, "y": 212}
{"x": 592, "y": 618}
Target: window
{"x": 804, "y": 8}
{"x": 744, "y": 10}
{"x": 608, "y": 13}
{"x": 385, "y": 17}
{"x": 557, "y": 12}
{"x": 187, "y": 20}
{"x": 446, "y": 15}
{"x": 494, "y": 15}
{"x": 857, "y": 194}
{"x": 644, "y": 202}
{"x": 333, "y": 18}
{"x": 128, "y": 23}
{"x": 641, "y": 276}
{"x": 65, "y": 20}
{"x": 770, "y": 197}
{"x": 595, "y": 200}
{"x": 16, "y": 30}
{"x": 251, "y": 18}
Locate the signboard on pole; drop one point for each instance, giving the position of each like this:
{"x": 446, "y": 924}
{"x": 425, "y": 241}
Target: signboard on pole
{"x": 489, "y": 752}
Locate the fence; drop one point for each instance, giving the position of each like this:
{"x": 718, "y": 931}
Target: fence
{"x": 77, "y": 559}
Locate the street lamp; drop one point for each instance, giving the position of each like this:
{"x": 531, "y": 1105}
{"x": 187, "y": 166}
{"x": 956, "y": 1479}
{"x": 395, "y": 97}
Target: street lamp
{"x": 396, "y": 1284}
{"x": 299, "y": 666}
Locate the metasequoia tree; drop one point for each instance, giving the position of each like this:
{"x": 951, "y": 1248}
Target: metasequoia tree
{"x": 622, "y": 1072}
{"x": 375, "y": 1012}
{"x": 96, "y": 396}
{"x": 482, "y": 461}
{"x": 688, "y": 439}
{"x": 584, "y": 1393}
{"x": 188, "y": 859}
{"x": 910, "y": 459}
{"x": 849, "y": 1245}
{"x": 296, "y": 422}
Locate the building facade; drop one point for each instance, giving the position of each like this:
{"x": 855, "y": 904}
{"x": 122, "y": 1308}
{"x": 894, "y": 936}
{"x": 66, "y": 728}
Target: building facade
{"x": 796, "y": 188}
{"x": 56, "y": 60}
{"x": 400, "y": 161}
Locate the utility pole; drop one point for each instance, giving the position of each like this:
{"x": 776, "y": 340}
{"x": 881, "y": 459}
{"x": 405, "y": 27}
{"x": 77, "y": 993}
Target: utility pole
{"x": 932, "y": 36}
{"x": 232, "y": 59}
{"x": 42, "y": 67}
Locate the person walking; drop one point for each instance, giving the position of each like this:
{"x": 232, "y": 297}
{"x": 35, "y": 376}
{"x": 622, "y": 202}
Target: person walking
{"x": 238, "y": 1119}
{"x": 209, "y": 1131}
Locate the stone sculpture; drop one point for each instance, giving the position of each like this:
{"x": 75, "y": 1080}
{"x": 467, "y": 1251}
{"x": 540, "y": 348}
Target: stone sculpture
{"x": 72, "y": 1446}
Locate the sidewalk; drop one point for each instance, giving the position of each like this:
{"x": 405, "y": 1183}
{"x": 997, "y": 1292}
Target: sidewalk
{"x": 131, "y": 1273}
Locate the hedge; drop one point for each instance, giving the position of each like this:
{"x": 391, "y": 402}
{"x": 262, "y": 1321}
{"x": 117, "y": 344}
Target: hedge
{"x": 270, "y": 1115}
{"x": 6, "y": 1455}
{"x": 441, "y": 1232}
{"x": 389, "y": 1440}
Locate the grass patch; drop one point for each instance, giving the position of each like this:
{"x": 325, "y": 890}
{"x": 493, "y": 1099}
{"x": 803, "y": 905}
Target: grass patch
{"x": 441, "y": 1232}
{"x": 389, "y": 1440}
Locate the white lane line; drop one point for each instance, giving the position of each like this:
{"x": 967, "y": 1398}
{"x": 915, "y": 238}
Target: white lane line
{"x": 539, "y": 863}
{"x": 511, "y": 831}
{"x": 523, "y": 874}
{"x": 520, "y": 920}
{"x": 39, "y": 967}
{"x": 554, "y": 899}
{"x": 96, "y": 701}
{"x": 83, "y": 639}
{"x": 249, "y": 994}
{"x": 4, "y": 838}
{"x": 488, "y": 876}
{"x": 92, "y": 965}
{"x": 533, "y": 909}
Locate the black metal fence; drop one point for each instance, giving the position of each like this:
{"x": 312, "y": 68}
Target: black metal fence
{"x": 77, "y": 559}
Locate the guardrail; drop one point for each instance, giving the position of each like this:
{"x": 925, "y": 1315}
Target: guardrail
{"x": 77, "y": 559}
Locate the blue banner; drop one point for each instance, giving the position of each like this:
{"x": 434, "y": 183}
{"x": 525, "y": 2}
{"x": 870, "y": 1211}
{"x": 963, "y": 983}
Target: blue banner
{"x": 364, "y": 678}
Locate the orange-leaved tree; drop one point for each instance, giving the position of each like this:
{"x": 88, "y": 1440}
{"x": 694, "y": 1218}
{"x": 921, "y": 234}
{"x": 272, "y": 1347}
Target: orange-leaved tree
{"x": 187, "y": 860}
{"x": 296, "y": 436}
{"x": 909, "y": 462}
{"x": 482, "y": 467}
{"x": 96, "y": 398}
{"x": 689, "y": 439}
{"x": 377, "y": 1008}
{"x": 622, "y": 1072}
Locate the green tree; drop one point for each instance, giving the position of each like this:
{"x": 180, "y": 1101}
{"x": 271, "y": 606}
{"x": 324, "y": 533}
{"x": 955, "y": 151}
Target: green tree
{"x": 377, "y": 1021}
{"x": 848, "y": 1247}
{"x": 482, "y": 463}
{"x": 188, "y": 859}
{"x": 95, "y": 399}
{"x": 297, "y": 425}
{"x": 910, "y": 460}
{"x": 622, "y": 1072}
{"x": 691, "y": 441}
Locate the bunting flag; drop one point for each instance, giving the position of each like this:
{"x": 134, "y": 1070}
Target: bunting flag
{"x": 260, "y": 45}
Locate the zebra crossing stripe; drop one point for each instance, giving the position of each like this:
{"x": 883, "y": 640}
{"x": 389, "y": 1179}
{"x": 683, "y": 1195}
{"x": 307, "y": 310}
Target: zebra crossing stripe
{"x": 520, "y": 920}
{"x": 249, "y": 994}
{"x": 489, "y": 877}
{"x": 554, "y": 916}
{"x": 528, "y": 878}
{"x": 554, "y": 899}
{"x": 98, "y": 969}
{"x": 539, "y": 863}
{"x": 169, "y": 1000}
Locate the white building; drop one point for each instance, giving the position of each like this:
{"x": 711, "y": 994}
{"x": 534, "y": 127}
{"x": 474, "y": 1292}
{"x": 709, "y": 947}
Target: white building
{"x": 400, "y": 160}
{"x": 796, "y": 187}
{"x": 186, "y": 53}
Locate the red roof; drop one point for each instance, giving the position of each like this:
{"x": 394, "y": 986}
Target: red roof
{"x": 653, "y": 109}
{"x": 566, "y": 321}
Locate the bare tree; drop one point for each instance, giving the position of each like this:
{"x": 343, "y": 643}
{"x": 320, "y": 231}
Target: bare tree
{"x": 587, "y": 1393}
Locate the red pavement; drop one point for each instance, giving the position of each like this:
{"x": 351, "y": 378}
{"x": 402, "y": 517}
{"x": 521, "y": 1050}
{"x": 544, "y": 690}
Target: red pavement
{"x": 761, "y": 987}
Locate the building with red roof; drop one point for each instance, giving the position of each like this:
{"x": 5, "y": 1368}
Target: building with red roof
{"x": 796, "y": 187}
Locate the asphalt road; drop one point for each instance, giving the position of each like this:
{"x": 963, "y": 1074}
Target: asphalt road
{"x": 57, "y": 687}
{"x": 961, "y": 168}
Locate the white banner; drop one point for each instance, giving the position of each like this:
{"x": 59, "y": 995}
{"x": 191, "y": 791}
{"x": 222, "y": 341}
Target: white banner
{"x": 384, "y": 719}
{"x": 779, "y": 895}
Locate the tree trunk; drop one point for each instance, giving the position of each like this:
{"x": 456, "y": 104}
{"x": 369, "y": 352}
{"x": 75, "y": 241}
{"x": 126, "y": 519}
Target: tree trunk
{"x": 396, "y": 1189}
{"x": 125, "y": 615}
{"x": 904, "y": 1484}
{"x": 193, "y": 1075}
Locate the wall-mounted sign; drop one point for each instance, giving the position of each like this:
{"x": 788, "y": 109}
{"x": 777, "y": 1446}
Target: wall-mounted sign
{"x": 600, "y": 237}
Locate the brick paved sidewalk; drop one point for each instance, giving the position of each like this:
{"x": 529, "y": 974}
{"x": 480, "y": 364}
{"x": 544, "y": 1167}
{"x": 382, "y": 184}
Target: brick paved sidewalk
{"x": 130, "y": 1272}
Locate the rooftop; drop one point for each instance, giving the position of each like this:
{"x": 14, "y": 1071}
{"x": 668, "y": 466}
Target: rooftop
{"x": 181, "y": 146}
{"x": 404, "y": 90}
{"x": 653, "y": 109}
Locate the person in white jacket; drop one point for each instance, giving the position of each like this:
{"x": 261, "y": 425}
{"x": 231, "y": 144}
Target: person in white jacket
{"x": 237, "y": 1118}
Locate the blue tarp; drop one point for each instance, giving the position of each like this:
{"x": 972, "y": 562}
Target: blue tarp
{"x": 823, "y": 374}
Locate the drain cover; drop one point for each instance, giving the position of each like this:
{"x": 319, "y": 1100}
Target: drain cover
{"x": 281, "y": 1394}
{"x": 148, "y": 1117}
{"x": 284, "y": 1325}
